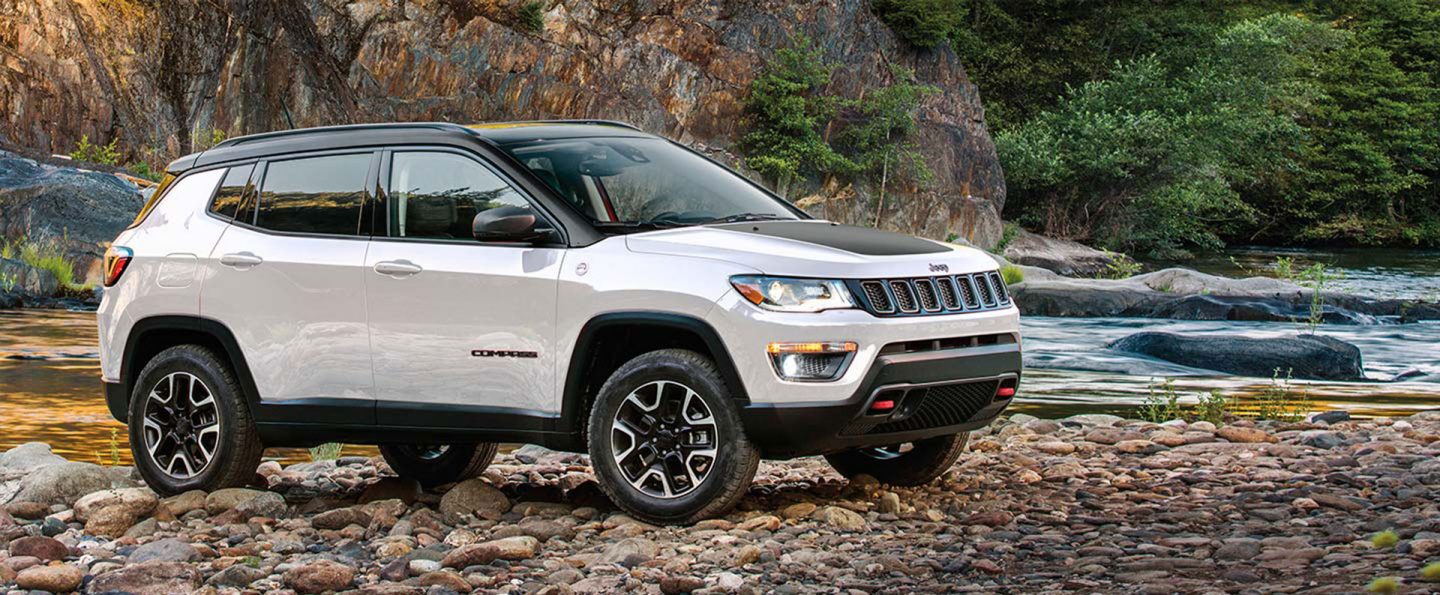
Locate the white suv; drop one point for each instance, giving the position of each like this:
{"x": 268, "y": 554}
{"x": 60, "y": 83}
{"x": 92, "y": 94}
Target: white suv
{"x": 436, "y": 289}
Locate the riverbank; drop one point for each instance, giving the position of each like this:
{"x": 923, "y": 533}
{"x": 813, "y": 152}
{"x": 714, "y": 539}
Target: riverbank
{"x": 1089, "y": 503}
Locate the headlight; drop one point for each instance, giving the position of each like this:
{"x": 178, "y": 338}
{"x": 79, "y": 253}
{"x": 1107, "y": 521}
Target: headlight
{"x": 783, "y": 294}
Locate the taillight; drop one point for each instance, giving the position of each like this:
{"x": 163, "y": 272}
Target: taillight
{"x": 117, "y": 258}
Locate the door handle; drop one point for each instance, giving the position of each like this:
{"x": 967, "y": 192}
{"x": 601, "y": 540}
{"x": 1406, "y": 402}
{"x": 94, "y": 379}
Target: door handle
{"x": 397, "y": 268}
{"x": 241, "y": 260}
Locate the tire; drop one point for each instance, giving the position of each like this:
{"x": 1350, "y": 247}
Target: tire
{"x": 675, "y": 442}
{"x": 434, "y": 465}
{"x": 922, "y": 463}
{"x": 210, "y": 416}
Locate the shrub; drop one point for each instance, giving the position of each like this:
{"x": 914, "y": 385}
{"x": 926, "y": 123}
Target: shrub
{"x": 102, "y": 154}
{"x": 879, "y": 140}
{"x": 531, "y": 17}
{"x": 1007, "y": 235}
{"x": 49, "y": 256}
{"x": 1012, "y": 274}
{"x": 786, "y": 111}
{"x": 1281, "y": 401}
{"x": 922, "y": 23}
{"x": 1120, "y": 266}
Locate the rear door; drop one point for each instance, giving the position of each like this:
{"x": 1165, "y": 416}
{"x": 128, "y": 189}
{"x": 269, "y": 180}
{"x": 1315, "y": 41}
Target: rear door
{"x": 463, "y": 331}
{"x": 288, "y": 279}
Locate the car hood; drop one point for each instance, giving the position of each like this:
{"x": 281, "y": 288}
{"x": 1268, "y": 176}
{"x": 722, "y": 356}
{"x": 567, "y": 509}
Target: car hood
{"x": 814, "y": 249}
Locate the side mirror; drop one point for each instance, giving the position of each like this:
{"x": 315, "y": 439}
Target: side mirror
{"x": 508, "y": 224}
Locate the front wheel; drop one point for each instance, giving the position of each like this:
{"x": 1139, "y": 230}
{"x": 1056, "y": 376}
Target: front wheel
{"x": 907, "y": 464}
{"x": 439, "y": 464}
{"x": 666, "y": 440}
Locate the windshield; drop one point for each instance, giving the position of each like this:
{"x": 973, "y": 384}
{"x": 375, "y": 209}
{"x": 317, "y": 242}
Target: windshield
{"x": 619, "y": 182}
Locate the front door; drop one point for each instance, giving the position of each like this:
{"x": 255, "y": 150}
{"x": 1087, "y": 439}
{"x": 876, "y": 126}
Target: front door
{"x": 462, "y": 332}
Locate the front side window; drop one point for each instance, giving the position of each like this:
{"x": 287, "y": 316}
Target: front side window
{"x": 644, "y": 180}
{"x": 437, "y": 195}
{"x": 321, "y": 195}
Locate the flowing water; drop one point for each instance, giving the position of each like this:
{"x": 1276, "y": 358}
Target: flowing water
{"x": 50, "y": 369}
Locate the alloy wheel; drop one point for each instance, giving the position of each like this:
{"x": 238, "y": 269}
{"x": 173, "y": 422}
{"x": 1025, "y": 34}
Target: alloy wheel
{"x": 425, "y": 452}
{"x": 888, "y": 453}
{"x": 664, "y": 439}
{"x": 181, "y": 425}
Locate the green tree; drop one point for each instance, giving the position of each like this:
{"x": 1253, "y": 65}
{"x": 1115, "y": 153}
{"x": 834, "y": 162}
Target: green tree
{"x": 880, "y": 143}
{"x": 1157, "y": 156}
{"x": 787, "y": 110}
{"x": 922, "y": 23}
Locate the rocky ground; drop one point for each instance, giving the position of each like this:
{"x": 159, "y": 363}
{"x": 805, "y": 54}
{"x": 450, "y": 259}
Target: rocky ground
{"x": 1088, "y": 503}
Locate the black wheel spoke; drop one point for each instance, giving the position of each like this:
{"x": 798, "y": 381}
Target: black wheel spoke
{"x": 182, "y": 429}
{"x": 664, "y": 439}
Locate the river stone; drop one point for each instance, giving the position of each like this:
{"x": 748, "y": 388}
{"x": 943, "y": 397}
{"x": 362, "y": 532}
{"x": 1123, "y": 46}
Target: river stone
{"x": 54, "y": 579}
{"x": 238, "y": 576}
{"x": 43, "y": 548}
{"x": 319, "y": 576}
{"x": 227, "y": 499}
{"x": 165, "y": 550}
{"x": 149, "y": 578}
{"x": 1242, "y": 434}
{"x": 1311, "y": 357}
{"x": 841, "y": 518}
{"x": 28, "y": 456}
{"x": 62, "y": 483}
{"x": 136, "y": 502}
{"x": 341, "y": 518}
{"x": 180, "y": 504}
{"x": 629, "y": 552}
{"x": 474, "y": 496}
{"x": 445, "y": 579}
{"x": 522, "y": 547}
{"x": 110, "y": 522}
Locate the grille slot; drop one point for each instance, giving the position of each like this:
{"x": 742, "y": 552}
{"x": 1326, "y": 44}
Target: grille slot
{"x": 947, "y": 293}
{"x": 967, "y": 291}
{"x": 879, "y": 299}
{"x": 904, "y": 297}
{"x": 945, "y": 405}
{"x": 1001, "y": 292}
{"x": 987, "y": 295}
{"x": 925, "y": 288}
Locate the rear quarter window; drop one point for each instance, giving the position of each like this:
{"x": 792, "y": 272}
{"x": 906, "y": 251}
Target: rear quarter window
{"x": 232, "y": 191}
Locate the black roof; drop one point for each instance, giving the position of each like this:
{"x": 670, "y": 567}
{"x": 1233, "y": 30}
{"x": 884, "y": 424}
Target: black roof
{"x": 362, "y": 135}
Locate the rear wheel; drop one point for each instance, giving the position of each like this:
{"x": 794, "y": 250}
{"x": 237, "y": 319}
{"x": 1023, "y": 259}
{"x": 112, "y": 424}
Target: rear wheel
{"x": 666, "y": 441}
{"x": 439, "y": 464}
{"x": 906, "y": 464}
{"x": 190, "y": 427}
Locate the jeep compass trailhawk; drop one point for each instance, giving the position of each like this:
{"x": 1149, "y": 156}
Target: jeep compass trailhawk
{"x": 436, "y": 289}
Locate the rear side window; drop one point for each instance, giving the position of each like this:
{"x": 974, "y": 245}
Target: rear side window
{"x": 232, "y": 191}
{"x": 323, "y": 195}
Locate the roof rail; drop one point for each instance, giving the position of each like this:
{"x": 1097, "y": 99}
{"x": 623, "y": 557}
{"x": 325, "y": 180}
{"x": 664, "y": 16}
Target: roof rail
{"x": 344, "y": 128}
{"x": 603, "y": 122}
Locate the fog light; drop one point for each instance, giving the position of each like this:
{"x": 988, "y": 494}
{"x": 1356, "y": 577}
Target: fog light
{"x": 825, "y": 360}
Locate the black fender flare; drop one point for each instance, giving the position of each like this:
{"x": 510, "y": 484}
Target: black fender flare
{"x": 572, "y": 399}
{"x": 192, "y": 324}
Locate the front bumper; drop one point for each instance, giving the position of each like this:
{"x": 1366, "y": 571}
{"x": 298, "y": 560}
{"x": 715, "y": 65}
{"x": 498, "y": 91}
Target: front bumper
{"x": 937, "y": 393}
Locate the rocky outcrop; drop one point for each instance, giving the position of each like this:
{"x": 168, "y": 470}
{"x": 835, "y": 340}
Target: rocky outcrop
{"x": 1306, "y": 357}
{"x": 1071, "y": 259}
{"x": 1184, "y": 294}
{"x": 678, "y": 68}
{"x": 75, "y": 210}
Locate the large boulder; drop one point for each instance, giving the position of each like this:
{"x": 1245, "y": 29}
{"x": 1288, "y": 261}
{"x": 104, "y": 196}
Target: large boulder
{"x": 80, "y": 211}
{"x": 1071, "y": 259}
{"x": 27, "y": 457}
{"x": 149, "y": 578}
{"x": 64, "y": 483}
{"x": 1184, "y": 294}
{"x": 1312, "y": 357}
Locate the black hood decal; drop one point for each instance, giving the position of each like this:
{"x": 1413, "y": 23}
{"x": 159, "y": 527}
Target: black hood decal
{"x": 859, "y": 240}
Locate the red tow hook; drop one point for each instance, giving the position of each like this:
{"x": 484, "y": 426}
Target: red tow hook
{"x": 882, "y": 406}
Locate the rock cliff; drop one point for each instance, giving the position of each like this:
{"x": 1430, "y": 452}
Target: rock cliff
{"x": 161, "y": 75}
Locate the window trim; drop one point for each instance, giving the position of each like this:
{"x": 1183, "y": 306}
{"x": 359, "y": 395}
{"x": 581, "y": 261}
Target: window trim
{"x": 263, "y": 170}
{"x": 245, "y": 191}
{"x": 383, "y": 202}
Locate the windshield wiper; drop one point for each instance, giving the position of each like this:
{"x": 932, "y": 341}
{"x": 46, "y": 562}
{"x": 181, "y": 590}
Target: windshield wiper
{"x": 637, "y": 225}
{"x": 737, "y": 218}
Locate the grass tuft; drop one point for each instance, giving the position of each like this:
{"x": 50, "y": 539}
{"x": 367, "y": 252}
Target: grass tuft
{"x": 1431, "y": 572}
{"x": 326, "y": 452}
{"x": 1385, "y": 539}
{"x": 1384, "y": 584}
{"x": 1012, "y": 274}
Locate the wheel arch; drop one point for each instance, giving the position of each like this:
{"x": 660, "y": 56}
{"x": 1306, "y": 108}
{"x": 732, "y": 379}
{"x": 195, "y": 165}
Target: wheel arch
{"x": 149, "y": 336}
{"x": 608, "y": 340}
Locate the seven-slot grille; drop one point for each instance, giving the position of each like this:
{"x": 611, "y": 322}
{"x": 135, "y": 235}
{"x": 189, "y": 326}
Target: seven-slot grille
{"x": 948, "y": 294}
